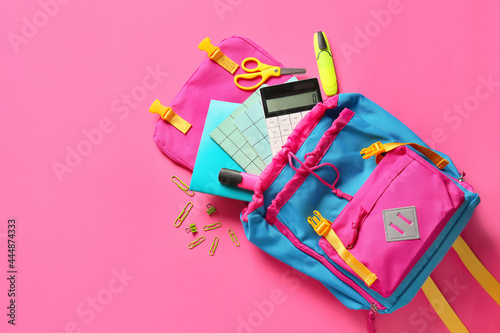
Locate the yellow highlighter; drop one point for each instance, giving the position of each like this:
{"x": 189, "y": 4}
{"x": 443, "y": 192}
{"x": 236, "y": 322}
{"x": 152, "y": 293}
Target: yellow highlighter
{"x": 325, "y": 64}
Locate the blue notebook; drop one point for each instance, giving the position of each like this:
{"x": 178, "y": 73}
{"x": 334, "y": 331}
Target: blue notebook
{"x": 211, "y": 158}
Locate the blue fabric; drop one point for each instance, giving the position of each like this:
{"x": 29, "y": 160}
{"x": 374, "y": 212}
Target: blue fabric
{"x": 369, "y": 124}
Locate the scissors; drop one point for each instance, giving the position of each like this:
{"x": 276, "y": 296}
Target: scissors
{"x": 263, "y": 71}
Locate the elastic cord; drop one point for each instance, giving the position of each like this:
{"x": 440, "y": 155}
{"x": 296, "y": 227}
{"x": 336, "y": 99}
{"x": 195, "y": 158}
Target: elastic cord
{"x": 336, "y": 191}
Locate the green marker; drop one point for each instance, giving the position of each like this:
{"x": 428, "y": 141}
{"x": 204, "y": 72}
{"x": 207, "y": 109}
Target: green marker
{"x": 325, "y": 64}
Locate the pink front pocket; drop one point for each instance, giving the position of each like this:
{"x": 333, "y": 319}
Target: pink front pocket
{"x": 395, "y": 216}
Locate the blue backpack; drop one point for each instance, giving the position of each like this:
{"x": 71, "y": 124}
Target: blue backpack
{"x": 371, "y": 230}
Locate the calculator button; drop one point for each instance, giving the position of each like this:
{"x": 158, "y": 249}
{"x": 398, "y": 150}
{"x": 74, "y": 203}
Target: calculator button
{"x": 286, "y": 130}
{"x": 272, "y": 122}
{"x": 276, "y": 143}
{"x": 295, "y": 117}
{"x": 284, "y": 120}
{"x": 274, "y": 151}
{"x": 304, "y": 113}
{"x": 274, "y": 132}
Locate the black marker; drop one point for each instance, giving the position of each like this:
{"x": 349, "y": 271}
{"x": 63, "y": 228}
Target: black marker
{"x": 237, "y": 178}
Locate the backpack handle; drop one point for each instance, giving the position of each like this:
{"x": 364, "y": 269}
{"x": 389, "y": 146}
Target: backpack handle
{"x": 378, "y": 148}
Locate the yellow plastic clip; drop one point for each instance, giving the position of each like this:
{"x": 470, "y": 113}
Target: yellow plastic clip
{"x": 183, "y": 186}
{"x": 214, "y": 246}
{"x": 233, "y": 237}
{"x": 182, "y": 216}
{"x": 375, "y": 149}
{"x": 196, "y": 242}
{"x": 167, "y": 114}
{"x": 319, "y": 223}
{"x": 216, "y": 55}
{"x": 213, "y": 226}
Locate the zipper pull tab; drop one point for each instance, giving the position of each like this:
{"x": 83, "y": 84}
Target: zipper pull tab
{"x": 354, "y": 238}
{"x": 356, "y": 224}
{"x": 371, "y": 318}
{"x": 462, "y": 177}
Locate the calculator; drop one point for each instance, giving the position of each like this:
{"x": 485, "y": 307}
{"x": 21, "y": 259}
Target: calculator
{"x": 285, "y": 105}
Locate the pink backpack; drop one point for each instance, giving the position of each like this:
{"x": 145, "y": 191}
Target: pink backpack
{"x": 210, "y": 81}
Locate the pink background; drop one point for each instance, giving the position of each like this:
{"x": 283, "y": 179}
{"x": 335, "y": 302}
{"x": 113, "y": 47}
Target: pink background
{"x": 85, "y": 66}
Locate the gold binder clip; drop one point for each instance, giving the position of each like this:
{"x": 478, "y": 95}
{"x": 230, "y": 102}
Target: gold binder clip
{"x": 182, "y": 216}
{"x": 183, "y": 186}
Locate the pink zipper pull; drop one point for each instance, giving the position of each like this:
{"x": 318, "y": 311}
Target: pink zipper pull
{"x": 356, "y": 224}
{"x": 371, "y": 318}
{"x": 354, "y": 238}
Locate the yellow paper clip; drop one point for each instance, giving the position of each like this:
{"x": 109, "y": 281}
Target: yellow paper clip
{"x": 214, "y": 246}
{"x": 183, "y": 186}
{"x": 166, "y": 113}
{"x": 212, "y": 226}
{"x": 233, "y": 237}
{"x": 196, "y": 242}
{"x": 182, "y": 216}
{"x": 216, "y": 55}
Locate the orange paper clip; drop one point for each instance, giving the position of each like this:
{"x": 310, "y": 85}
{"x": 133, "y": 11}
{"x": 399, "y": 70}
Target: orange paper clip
{"x": 183, "y": 186}
{"x": 182, "y": 216}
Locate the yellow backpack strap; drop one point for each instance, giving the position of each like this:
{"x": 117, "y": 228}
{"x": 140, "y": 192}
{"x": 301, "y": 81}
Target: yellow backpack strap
{"x": 378, "y": 148}
{"x": 323, "y": 228}
{"x": 477, "y": 269}
{"x": 480, "y": 273}
{"x": 442, "y": 307}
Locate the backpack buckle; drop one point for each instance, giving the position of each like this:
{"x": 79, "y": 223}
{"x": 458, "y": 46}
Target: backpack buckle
{"x": 374, "y": 149}
{"x": 319, "y": 223}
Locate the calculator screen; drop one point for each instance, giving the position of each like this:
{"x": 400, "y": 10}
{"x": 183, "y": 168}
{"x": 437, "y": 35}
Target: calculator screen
{"x": 292, "y": 101}
{"x": 285, "y": 105}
